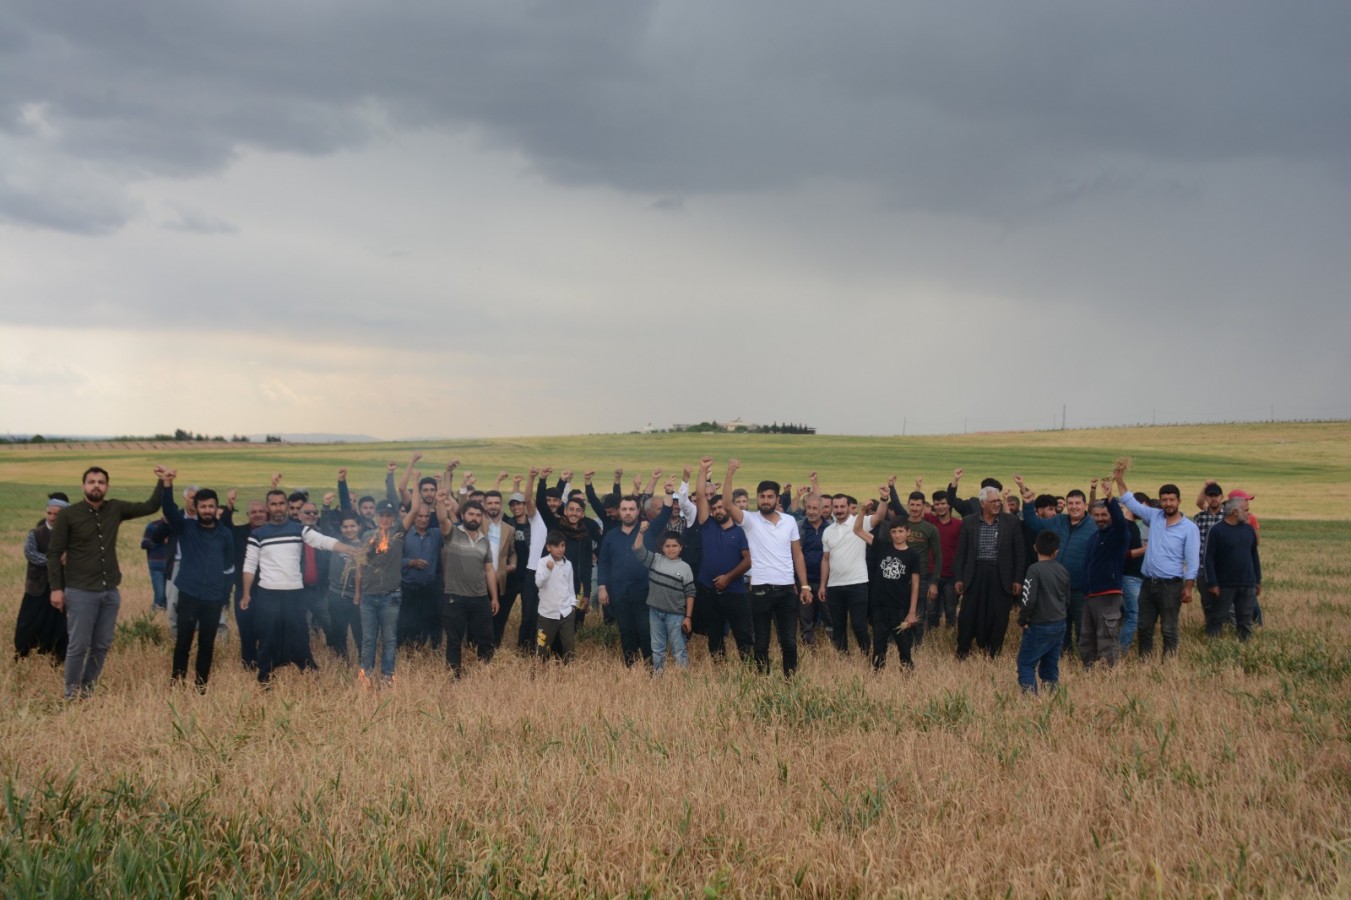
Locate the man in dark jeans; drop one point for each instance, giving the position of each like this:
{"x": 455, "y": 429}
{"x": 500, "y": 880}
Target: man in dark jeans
{"x": 778, "y": 571}
{"x": 204, "y": 576}
{"x": 1171, "y": 561}
{"x": 623, "y": 582}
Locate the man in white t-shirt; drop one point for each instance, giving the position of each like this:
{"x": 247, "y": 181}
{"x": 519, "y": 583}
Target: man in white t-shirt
{"x": 844, "y": 577}
{"x": 778, "y": 571}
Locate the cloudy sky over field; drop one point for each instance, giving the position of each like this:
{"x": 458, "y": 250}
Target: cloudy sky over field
{"x": 517, "y": 218}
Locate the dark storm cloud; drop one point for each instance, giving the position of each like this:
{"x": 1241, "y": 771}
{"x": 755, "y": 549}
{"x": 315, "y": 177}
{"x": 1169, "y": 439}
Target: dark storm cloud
{"x": 993, "y": 109}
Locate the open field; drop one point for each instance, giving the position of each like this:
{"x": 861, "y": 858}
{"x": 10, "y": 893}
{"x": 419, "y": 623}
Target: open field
{"x": 1224, "y": 771}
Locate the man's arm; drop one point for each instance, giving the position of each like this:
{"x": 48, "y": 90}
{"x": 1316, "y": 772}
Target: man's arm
{"x": 659, "y": 522}
{"x": 592, "y": 497}
{"x": 172, "y": 514}
{"x": 531, "y": 502}
{"x": 147, "y": 507}
{"x": 737, "y": 572}
{"x": 893, "y": 499}
{"x": 407, "y": 475}
{"x": 732, "y": 509}
{"x": 344, "y": 495}
{"x": 860, "y": 532}
{"x": 701, "y": 495}
{"x": 804, "y": 589}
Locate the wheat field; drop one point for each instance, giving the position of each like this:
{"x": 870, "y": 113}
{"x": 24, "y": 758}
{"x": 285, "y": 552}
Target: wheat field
{"x": 1225, "y": 771}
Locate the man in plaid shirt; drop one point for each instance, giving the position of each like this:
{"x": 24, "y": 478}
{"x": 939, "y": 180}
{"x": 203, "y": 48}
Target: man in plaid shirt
{"x": 1207, "y": 518}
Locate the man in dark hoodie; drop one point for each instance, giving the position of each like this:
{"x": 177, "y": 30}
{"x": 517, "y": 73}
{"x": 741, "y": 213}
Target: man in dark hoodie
{"x": 1100, "y": 627}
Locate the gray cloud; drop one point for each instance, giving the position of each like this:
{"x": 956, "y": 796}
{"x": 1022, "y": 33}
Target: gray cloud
{"x": 986, "y": 109}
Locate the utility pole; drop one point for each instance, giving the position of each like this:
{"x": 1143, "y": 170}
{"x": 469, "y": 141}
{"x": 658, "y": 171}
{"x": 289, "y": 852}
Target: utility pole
{"x": 1063, "y": 407}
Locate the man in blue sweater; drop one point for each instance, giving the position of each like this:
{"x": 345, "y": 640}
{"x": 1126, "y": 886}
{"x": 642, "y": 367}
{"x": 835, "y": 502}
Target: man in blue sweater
{"x": 1233, "y": 571}
{"x": 1076, "y": 532}
{"x": 204, "y": 577}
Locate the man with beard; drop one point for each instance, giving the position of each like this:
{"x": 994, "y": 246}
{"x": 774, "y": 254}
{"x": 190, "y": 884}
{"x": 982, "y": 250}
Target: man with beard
{"x": 273, "y": 578}
{"x": 844, "y": 577}
{"x": 40, "y": 626}
{"x": 607, "y": 507}
{"x": 381, "y": 579}
{"x": 573, "y": 525}
{"x": 502, "y": 539}
{"x": 623, "y": 585}
{"x": 84, "y": 574}
{"x": 776, "y": 568}
{"x": 471, "y": 583}
{"x": 203, "y": 575}
{"x": 720, "y": 584}
{"x": 990, "y": 567}
{"x": 1172, "y": 558}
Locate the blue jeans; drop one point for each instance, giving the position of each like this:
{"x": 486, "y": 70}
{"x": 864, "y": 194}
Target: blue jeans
{"x": 667, "y": 634}
{"x": 157, "y": 586}
{"x": 380, "y": 620}
{"x": 1040, "y": 654}
{"x": 1130, "y": 608}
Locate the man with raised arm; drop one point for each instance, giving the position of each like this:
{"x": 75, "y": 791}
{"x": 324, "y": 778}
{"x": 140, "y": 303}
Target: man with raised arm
{"x": 1077, "y": 533}
{"x": 623, "y": 581}
{"x": 778, "y": 572}
{"x": 720, "y": 584}
{"x": 204, "y": 576}
{"x": 84, "y": 575}
{"x": 1172, "y": 558}
{"x": 274, "y": 585}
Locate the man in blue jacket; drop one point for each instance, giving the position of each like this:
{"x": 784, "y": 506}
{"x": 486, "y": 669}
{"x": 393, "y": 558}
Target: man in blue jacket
{"x": 1076, "y": 532}
{"x": 204, "y": 577}
{"x": 1100, "y": 627}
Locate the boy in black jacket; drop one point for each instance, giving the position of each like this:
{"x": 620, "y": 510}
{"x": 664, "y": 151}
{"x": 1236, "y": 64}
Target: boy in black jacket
{"x": 1046, "y": 597}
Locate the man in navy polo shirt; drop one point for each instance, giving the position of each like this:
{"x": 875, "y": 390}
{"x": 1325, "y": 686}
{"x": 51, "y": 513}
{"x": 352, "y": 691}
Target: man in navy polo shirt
{"x": 720, "y": 585}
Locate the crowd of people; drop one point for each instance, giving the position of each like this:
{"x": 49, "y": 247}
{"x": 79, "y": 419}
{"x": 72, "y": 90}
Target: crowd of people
{"x": 432, "y": 564}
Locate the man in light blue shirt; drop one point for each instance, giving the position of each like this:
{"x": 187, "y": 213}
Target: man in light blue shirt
{"x": 1171, "y": 561}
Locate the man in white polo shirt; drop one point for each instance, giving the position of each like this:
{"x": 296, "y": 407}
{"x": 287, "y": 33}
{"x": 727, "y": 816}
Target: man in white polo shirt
{"x": 778, "y": 571}
{"x": 844, "y": 577}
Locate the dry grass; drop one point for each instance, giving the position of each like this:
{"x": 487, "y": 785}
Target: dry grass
{"x": 1225, "y": 771}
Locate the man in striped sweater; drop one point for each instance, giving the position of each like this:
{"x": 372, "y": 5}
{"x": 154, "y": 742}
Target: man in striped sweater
{"x": 274, "y": 585}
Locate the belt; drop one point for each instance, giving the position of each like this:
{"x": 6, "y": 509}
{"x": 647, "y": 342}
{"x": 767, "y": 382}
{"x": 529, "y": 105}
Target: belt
{"x": 1174, "y": 580}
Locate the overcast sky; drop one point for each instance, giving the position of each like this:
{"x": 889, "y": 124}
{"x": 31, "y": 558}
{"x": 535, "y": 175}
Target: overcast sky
{"x": 498, "y": 218}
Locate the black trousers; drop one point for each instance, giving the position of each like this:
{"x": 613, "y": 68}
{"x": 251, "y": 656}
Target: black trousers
{"x": 248, "y": 631}
{"x": 283, "y": 633}
{"x": 343, "y": 616}
{"x": 505, "y": 602}
{"x": 724, "y": 608}
{"x": 848, "y": 602}
{"x": 984, "y": 614}
{"x": 775, "y": 604}
{"x": 527, "y": 634}
{"x": 814, "y": 613}
{"x": 420, "y": 616}
{"x": 201, "y": 619}
{"x": 472, "y": 616}
{"x": 40, "y": 627}
{"x": 886, "y": 618}
{"x": 635, "y": 627}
